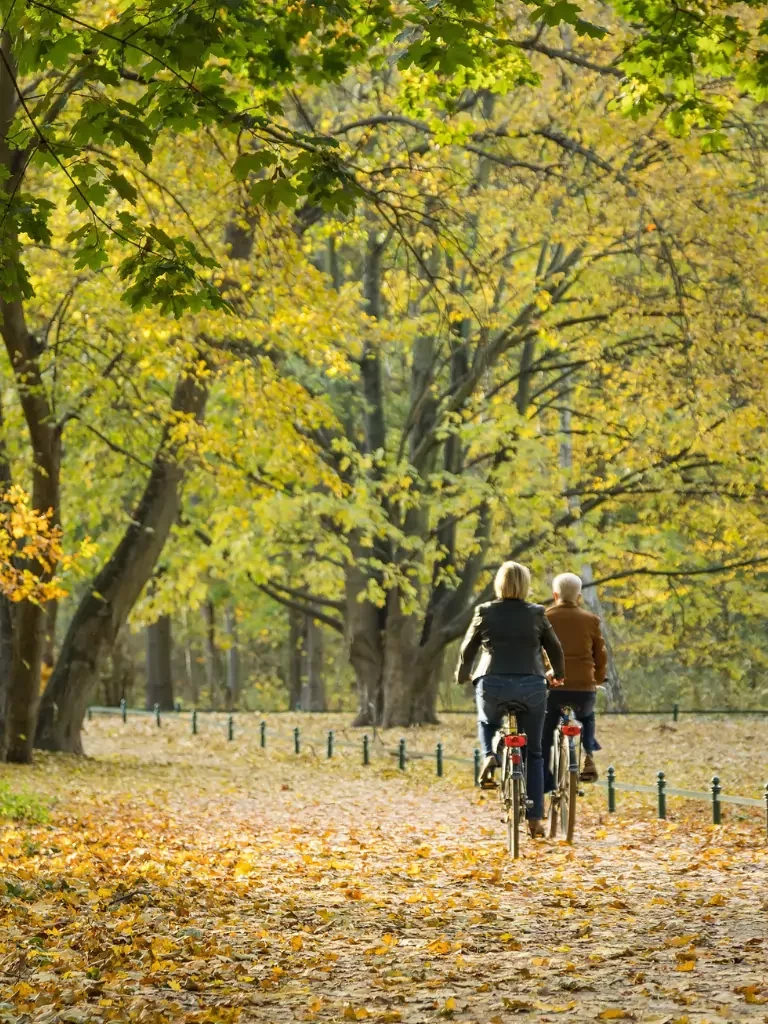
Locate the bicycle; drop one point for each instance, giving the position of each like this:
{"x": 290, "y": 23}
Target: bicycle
{"x": 512, "y": 782}
{"x": 566, "y": 758}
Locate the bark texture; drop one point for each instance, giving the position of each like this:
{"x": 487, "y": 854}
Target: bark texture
{"x": 315, "y": 675}
{"x": 159, "y": 637}
{"x": 233, "y": 659}
{"x": 214, "y": 670}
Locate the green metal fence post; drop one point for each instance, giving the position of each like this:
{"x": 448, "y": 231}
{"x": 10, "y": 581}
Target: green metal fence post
{"x": 439, "y": 760}
{"x": 477, "y": 766}
{"x": 231, "y": 728}
{"x": 661, "y": 782}
{"x": 90, "y": 715}
{"x": 194, "y": 722}
{"x": 330, "y": 743}
{"x": 157, "y": 715}
{"x": 716, "y": 790}
{"x": 611, "y": 790}
{"x": 124, "y": 710}
{"x": 366, "y": 750}
{"x": 675, "y": 711}
{"x": 401, "y": 756}
{"x": 296, "y": 741}
{"x": 263, "y": 734}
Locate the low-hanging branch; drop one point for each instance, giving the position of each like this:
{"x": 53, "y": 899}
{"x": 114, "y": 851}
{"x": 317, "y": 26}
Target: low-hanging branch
{"x": 708, "y": 570}
{"x": 304, "y": 609}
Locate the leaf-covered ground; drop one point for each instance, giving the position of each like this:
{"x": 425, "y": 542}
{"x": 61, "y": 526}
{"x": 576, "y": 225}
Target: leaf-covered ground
{"x": 190, "y": 879}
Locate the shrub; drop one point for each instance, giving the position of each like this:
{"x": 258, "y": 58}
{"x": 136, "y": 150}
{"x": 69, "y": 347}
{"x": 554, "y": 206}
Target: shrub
{"x": 21, "y": 806}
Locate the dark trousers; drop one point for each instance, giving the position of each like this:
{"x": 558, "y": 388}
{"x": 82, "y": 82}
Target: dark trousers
{"x": 492, "y": 695}
{"x": 582, "y": 702}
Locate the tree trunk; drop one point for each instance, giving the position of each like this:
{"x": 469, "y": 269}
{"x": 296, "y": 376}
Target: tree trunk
{"x": 233, "y": 660}
{"x": 118, "y": 682}
{"x": 613, "y": 688}
{"x": 49, "y": 645}
{"x": 6, "y": 610}
{"x": 105, "y": 607}
{"x": 22, "y": 693}
{"x": 363, "y": 622}
{"x": 6, "y": 660}
{"x": 315, "y": 676}
{"x": 159, "y": 670}
{"x": 295, "y": 660}
{"x": 214, "y": 674}
{"x": 28, "y": 620}
{"x": 192, "y": 673}
{"x": 191, "y": 665}
{"x": 400, "y": 659}
{"x": 426, "y": 691}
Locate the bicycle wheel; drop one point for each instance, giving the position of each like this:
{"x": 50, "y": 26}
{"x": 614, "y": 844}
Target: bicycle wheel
{"x": 573, "y": 790}
{"x": 517, "y": 811}
{"x": 560, "y": 809}
{"x": 554, "y": 799}
{"x": 505, "y": 792}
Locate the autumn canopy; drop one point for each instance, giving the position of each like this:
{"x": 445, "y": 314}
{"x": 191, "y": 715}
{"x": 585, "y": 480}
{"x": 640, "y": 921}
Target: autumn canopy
{"x": 313, "y": 313}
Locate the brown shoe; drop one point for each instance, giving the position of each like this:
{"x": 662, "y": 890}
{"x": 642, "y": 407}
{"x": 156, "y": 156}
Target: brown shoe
{"x": 490, "y": 764}
{"x": 589, "y": 772}
{"x": 536, "y": 828}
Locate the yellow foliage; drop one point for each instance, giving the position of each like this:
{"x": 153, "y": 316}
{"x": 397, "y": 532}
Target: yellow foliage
{"x": 31, "y": 552}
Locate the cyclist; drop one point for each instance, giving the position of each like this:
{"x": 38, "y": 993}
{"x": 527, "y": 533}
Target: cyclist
{"x": 509, "y": 633}
{"x": 586, "y": 662}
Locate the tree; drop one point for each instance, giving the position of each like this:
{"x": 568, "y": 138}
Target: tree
{"x": 78, "y": 88}
{"x": 574, "y": 268}
{"x": 87, "y": 99}
{"x": 159, "y": 665}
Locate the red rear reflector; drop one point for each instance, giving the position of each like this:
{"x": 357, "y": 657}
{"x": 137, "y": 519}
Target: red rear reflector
{"x": 516, "y": 759}
{"x": 514, "y": 741}
{"x": 571, "y": 730}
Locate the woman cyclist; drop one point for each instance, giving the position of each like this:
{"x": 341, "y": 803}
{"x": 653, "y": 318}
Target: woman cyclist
{"x": 510, "y": 634}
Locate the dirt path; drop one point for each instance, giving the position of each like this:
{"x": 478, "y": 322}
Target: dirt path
{"x": 212, "y": 897}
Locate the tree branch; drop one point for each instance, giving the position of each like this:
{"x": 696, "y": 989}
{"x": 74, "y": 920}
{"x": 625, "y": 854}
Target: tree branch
{"x": 673, "y": 573}
{"x": 313, "y": 613}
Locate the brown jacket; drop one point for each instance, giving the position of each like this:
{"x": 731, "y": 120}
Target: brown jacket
{"x": 578, "y": 631}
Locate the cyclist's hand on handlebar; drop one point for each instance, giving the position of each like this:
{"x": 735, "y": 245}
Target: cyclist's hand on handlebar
{"x": 556, "y": 682}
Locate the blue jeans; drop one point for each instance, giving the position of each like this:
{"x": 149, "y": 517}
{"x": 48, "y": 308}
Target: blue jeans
{"x": 492, "y": 694}
{"x": 583, "y": 704}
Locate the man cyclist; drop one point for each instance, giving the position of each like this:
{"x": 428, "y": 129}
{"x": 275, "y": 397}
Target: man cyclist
{"x": 586, "y": 663}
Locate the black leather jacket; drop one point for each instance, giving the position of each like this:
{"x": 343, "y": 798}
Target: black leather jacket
{"x": 510, "y": 634}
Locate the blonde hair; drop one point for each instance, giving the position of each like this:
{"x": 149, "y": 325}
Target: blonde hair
{"x": 512, "y": 581}
{"x": 567, "y": 585}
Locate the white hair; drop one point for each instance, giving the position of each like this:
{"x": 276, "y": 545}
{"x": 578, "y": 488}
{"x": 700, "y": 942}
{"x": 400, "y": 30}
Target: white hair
{"x": 567, "y": 585}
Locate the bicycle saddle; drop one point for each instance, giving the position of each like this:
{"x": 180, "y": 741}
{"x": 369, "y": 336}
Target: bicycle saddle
{"x": 512, "y": 706}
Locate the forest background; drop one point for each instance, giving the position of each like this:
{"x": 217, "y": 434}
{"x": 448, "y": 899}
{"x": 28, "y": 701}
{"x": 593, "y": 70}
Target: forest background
{"x": 314, "y": 313}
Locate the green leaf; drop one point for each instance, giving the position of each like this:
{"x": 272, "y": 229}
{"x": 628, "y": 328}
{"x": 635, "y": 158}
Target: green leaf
{"x": 249, "y": 163}
{"x": 123, "y": 187}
